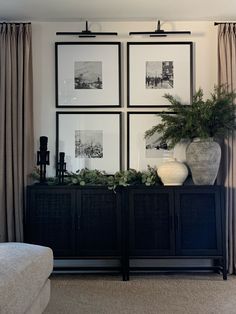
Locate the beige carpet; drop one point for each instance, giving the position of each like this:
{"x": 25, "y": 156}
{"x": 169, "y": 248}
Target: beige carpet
{"x": 164, "y": 294}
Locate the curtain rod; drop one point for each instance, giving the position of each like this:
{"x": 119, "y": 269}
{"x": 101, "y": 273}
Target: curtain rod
{"x": 218, "y": 23}
{"x": 15, "y": 23}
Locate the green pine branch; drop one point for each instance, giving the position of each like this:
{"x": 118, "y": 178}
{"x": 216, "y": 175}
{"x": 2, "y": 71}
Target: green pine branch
{"x": 213, "y": 117}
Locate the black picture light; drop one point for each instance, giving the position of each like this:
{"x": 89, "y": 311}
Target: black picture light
{"x": 87, "y": 33}
{"x": 159, "y": 32}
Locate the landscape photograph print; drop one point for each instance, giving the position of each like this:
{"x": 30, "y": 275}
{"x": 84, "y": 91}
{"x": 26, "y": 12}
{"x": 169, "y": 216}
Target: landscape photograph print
{"x": 154, "y": 148}
{"x": 88, "y": 75}
{"x": 159, "y": 74}
{"x": 88, "y": 144}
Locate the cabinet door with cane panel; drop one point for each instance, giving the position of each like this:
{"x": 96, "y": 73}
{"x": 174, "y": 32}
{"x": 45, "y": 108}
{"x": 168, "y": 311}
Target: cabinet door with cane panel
{"x": 50, "y": 219}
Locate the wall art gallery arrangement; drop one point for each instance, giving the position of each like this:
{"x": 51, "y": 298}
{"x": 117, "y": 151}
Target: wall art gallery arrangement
{"x": 88, "y": 75}
{"x": 90, "y": 139}
{"x": 141, "y": 151}
{"x": 155, "y": 69}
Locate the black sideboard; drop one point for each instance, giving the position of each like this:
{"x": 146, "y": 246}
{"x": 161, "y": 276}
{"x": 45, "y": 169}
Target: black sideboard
{"x": 186, "y": 222}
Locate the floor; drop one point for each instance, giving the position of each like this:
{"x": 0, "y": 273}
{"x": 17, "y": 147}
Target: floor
{"x": 143, "y": 294}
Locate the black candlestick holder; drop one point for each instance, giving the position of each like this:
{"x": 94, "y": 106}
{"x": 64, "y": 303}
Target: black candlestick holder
{"x": 61, "y": 168}
{"x": 43, "y": 158}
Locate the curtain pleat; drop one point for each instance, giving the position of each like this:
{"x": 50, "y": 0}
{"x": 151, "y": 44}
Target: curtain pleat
{"x": 16, "y": 126}
{"x": 227, "y": 77}
{"x": 3, "y": 218}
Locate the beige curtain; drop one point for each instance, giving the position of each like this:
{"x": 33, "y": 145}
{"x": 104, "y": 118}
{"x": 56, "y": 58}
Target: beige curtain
{"x": 227, "y": 75}
{"x": 16, "y": 126}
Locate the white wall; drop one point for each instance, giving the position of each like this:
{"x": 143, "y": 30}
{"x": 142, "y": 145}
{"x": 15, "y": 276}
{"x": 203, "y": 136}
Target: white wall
{"x": 204, "y": 35}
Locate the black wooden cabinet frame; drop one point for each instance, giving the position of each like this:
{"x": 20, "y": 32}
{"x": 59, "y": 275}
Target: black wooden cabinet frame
{"x": 217, "y": 254}
{"x": 39, "y": 229}
{"x": 186, "y": 222}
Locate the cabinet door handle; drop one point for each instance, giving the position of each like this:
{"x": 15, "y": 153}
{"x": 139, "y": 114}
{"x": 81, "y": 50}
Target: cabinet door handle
{"x": 79, "y": 222}
{"x": 171, "y": 223}
{"x": 177, "y": 222}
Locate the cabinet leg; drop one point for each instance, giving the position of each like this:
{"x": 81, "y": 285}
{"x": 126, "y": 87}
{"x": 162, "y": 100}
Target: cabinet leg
{"x": 224, "y": 271}
{"x": 125, "y": 270}
{"x": 126, "y": 277}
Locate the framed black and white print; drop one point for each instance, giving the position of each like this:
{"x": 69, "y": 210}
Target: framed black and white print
{"x": 142, "y": 152}
{"x": 90, "y": 140}
{"x": 159, "y": 68}
{"x": 88, "y": 74}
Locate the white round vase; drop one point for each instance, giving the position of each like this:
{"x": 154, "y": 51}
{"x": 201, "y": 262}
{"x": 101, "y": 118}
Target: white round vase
{"x": 172, "y": 172}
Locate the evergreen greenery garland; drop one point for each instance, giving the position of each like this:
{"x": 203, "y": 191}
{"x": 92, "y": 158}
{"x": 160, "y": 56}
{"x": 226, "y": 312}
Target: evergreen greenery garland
{"x": 86, "y": 177}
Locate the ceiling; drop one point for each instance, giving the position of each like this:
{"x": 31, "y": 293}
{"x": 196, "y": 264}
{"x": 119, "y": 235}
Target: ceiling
{"x": 112, "y": 10}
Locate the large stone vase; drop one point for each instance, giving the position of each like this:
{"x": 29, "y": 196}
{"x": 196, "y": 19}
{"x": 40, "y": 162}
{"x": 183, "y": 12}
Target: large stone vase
{"x": 203, "y": 158}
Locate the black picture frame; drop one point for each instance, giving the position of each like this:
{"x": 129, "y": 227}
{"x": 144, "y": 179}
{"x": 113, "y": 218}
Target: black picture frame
{"x": 138, "y": 83}
{"x": 115, "y": 145}
{"x": 136, "y": 146}
{"x": 111, "y": 86}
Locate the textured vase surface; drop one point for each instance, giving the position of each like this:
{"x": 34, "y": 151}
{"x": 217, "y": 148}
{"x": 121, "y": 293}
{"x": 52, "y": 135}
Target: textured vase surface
{"x": 179, "y": 151}
{"x": 172, "y": 172}
{"x": 203, "y": 158}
